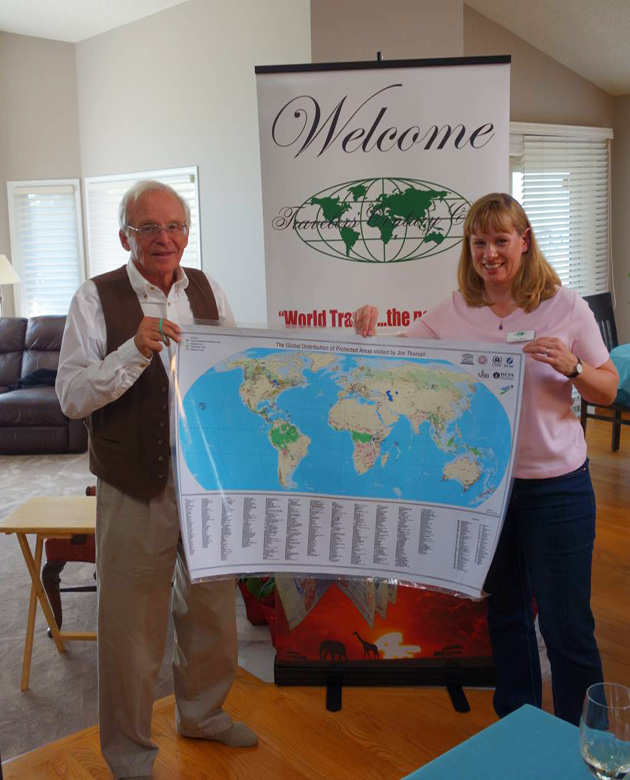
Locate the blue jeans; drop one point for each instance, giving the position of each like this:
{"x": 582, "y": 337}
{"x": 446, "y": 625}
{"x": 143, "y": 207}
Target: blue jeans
{"x": 545, "y": 550}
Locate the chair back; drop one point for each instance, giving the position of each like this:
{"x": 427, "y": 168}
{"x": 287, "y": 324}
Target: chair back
{"x": 602, "y": 307}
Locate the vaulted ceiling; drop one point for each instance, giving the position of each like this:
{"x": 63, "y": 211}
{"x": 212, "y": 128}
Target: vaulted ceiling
{"x": 589, "y": 37}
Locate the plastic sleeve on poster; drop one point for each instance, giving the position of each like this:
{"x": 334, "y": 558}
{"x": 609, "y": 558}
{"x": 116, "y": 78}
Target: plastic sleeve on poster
{"x": 361, "y": 589}
{"x": 235, "y": 528}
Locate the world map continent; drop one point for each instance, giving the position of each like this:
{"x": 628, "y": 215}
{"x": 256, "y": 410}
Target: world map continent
{"x": 371, "y": 399}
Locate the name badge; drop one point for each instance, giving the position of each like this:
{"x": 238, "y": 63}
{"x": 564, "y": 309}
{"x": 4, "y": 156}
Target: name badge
{"x": 521, "y": 335}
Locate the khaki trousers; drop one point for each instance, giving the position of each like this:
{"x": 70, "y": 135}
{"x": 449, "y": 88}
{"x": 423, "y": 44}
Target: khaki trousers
{"x": 137, "y": 548}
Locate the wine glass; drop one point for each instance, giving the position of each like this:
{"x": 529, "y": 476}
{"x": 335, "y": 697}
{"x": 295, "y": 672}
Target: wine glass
{"x": 605, "y": 731}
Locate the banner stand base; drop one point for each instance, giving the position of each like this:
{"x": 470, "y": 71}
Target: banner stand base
{"x": 334, "y": 689}
{"x": 386, "y": 673}
{"x": 458, "y": 697}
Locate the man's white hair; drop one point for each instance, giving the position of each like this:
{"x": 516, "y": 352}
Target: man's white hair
{"x": 133, "y": 194}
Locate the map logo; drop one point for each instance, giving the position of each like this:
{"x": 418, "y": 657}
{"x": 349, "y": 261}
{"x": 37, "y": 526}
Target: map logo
{"x": 467, "y": 359}
{"x": 482, "y": 360}
{"x": 384, "y": 220}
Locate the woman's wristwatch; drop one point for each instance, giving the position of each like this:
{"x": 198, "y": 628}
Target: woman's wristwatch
{"x": 577, "y": 371}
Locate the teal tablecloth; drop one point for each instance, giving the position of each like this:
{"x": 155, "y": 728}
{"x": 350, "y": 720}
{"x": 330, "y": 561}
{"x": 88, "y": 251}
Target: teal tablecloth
{"x": 527, "y": 745}
{"x": 620, "y": 356}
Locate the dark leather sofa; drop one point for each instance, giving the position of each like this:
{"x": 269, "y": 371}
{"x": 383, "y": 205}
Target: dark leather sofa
{"x": 31, "y": 420}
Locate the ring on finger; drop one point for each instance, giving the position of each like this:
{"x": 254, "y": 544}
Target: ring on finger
{"x": 546, "y": 351}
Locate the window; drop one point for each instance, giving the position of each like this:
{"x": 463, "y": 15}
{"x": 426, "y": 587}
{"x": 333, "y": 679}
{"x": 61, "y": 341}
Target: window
{"x": 561, "y": 177}
{"x": 102, "y": 197}
{"x": 46, "y": 244}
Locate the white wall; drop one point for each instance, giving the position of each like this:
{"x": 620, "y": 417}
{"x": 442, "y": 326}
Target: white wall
{"x": 542, "y": 90}
{"x": 39, "y": 127}
{"x": 177, "y": 89}
{"x": 354, "y": 30}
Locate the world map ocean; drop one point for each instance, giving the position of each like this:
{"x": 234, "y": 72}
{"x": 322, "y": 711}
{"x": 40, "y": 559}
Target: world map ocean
{"x": 227, "y": 445}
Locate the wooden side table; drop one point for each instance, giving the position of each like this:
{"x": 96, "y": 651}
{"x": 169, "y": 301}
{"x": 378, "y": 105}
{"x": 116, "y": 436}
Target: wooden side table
{"x": 58, "y": 517}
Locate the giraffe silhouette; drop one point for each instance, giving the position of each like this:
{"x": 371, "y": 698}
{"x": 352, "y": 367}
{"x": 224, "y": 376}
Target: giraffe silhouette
{"x": 368, "y": 647}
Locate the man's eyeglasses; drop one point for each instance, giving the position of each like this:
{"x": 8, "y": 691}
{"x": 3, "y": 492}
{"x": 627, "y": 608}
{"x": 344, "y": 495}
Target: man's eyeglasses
{"x": 173, "y": 229}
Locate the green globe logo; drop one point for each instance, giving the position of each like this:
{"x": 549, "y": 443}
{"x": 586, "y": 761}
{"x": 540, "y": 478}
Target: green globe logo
{"x": 386, "y": 220}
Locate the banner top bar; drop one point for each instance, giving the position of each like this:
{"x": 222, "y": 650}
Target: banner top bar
{"x": 432, "y": 62}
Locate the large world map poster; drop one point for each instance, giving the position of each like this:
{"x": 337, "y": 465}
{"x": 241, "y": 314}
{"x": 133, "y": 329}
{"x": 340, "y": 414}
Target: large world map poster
{"x": 339, "y": 456}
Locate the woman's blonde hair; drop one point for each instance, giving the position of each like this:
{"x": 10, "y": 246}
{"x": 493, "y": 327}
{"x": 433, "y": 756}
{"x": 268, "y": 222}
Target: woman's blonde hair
{"x": 535, "y": 281}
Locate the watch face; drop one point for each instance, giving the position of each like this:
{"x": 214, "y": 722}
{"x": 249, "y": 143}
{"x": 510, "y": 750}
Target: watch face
{"x": 578, "y": 368}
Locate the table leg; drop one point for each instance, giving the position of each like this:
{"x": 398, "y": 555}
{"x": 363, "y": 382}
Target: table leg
{"x": 51, "y": 580}
{"x": 30, "y": 622}
{"x": 39, "y": 591}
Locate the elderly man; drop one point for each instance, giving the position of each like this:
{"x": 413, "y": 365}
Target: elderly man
{"x": 113, "y": 369}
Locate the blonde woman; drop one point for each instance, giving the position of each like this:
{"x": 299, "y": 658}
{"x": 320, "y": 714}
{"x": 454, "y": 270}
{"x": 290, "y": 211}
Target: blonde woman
{"x": 546, "y": 546}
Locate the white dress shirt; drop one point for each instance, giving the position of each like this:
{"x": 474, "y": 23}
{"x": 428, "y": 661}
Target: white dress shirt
{"x": 87, "y": 378}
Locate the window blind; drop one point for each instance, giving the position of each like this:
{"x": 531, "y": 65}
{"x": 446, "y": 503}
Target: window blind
{"x": 45, "y": 244}
{"x": 102, "y": 198}
{"x": 563, "y": 185}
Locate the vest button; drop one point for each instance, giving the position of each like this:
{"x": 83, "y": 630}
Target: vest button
{"x": 162, "y": 425}
{"x": 160, "y": 458}
{"x": 164, "y": 389}
{"x": 164, "y": 408}
{"x": 160, "y": 476}
{"x": 160, "y": 441}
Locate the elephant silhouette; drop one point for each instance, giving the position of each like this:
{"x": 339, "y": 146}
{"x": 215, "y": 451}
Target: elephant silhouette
{"x": 333, "y": 648}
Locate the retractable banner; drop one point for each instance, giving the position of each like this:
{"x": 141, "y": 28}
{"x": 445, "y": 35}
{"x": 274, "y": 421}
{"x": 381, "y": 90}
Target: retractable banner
{"x": 368, "y": 171}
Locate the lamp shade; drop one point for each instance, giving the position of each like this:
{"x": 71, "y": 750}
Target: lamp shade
{"x": 7, "y": 273}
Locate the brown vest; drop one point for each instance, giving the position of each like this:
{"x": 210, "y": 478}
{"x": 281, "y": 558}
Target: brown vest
{"x": 130, "y": 437}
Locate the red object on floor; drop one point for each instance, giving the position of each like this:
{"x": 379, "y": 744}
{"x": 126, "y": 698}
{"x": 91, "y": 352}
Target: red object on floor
{"x": 254, "y": 606}
{"x": 270, "y": 616}
{"x": 80, "y": 547}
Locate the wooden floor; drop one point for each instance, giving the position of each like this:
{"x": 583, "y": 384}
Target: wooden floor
{"x": 380, "y": 733}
